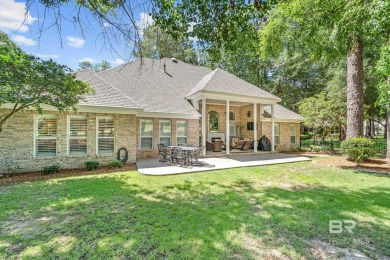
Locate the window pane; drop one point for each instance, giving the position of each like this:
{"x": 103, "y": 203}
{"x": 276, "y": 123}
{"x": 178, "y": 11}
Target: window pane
{"x": 46, "y": 147}
{"x": 146, "y": 128}
{"x": 276, "y": 139}
{"x": 181, "y": 128}
{"x": 78, "y": 127}
{"x": 47, "y": 127}
{"x": 292, "y": 131}
{"x": 165, "y": 128}
{"x": 146, "y": 142}
{"x": 165, "y": 140}
{"x": 105, "y": 145}
{"x": 232, "y": 116}
{"x": 106, "y": 127}
{"x": 77, "y": 146}
{"x": 181, "y": 140}
{"x": 292, "y": 139}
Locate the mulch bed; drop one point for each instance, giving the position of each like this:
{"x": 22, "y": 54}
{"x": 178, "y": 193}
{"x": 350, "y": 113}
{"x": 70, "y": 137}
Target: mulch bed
{"x": 372, "y": 165}
{"x": 36, "y": 176}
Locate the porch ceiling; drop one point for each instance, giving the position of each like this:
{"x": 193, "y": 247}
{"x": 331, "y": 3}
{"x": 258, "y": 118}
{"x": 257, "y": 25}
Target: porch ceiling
{"x": 223, "y": 102}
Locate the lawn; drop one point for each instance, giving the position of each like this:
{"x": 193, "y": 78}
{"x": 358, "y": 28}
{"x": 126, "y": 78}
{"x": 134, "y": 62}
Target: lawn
{"x": 258, "y": 212}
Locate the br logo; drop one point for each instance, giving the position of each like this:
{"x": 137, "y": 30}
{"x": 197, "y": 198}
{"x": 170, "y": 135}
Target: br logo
{"x": 338, "y": 226}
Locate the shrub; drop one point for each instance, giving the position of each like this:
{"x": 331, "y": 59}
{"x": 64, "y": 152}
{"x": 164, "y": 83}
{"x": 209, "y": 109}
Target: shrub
{"x": 315, "y": 148}
{"x": 115, "y": 164}
{"x": 91, "y": 165}
{"x": 358, "y": 149}
{"x": 51, "y": 169}
{"x": 12, "y": 169}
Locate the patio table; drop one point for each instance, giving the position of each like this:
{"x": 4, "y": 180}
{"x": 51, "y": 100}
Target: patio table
{"x": 188, "y": 150}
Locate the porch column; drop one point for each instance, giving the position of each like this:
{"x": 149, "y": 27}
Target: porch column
{"x": 255, "y": 127}
{"x": 227, "y": 132}
{"x": 204, "y": 126}
{"x": 272, "y": 127}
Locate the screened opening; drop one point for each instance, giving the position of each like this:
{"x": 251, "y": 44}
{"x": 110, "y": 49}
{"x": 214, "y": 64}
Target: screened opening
{"x": 77, "y": 136}
{"x": 46, "y": 136}
{"x": 165, "y": 132}
{"x": 146, "y": 133}
{"x": 105, "y": 135}
{"x": 213, "y": 121}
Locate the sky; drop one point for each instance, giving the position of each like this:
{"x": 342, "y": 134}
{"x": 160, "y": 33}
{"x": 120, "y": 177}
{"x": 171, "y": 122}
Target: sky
{"x": 68, "y": 47}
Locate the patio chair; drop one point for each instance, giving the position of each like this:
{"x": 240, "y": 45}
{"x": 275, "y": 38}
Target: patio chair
{"x": 166, "y": 155}
{"x": 160, "y": 148}
{"x": 179, "y": 157}
{"x": 247, "y": 145}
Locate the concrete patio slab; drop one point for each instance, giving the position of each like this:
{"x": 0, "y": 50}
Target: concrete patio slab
{"x": 154, "y": 167}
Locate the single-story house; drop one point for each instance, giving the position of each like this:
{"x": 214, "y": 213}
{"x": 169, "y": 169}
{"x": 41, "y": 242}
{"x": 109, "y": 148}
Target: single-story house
{"x": 140, "y": 104}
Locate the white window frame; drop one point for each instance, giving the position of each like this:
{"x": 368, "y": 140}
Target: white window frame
{"x": 277, "y": 134}
{"x": 97, "y": 134}
{"x": 159, "y": 133}
{"x": 140, "y": 134}
{"x": 186, "y": 136}
{"x": 293, "y": 127}
{"x": 69, "y": 138}
{"x": 35, "y": 146}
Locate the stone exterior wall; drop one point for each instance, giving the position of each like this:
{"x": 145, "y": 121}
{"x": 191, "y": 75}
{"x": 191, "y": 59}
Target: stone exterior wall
{"x": 17, "y": 141}
{"x": 192, "y": 135}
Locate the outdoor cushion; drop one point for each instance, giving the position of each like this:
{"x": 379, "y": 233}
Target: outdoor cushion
{"x": 248, "y": 144}
{"x": 239, "y": 144}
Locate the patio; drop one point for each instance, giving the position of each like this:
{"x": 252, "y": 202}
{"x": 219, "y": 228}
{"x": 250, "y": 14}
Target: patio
{"x": 152, "y": 166}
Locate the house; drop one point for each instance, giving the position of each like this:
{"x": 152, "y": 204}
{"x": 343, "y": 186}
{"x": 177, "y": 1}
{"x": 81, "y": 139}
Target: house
{"x": 140, "y": 104}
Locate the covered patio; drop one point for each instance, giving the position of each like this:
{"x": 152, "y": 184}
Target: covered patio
{"x": 154, "y": 167}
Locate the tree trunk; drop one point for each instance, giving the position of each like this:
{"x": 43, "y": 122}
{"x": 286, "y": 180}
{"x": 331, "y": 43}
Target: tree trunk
{"x": 355, "y": 90}
{"x": 387, "y": 124}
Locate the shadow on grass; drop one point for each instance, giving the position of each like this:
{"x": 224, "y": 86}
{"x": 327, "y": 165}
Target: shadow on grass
{"x": 111, "y": 217}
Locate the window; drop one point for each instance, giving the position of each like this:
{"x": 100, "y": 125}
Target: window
{"x": 146, "y": 129}
{"x": 165, "y": 132}
{"x": 77, "y": 135}
{"x": 46, "y": 136}
{"x": 276, "y": 127}
{"x": 335, "y": 131}
{"x": 105, "y": 135}
{"x": 293, "y": 134}
{"x": 232, "y": 116}
{"x": 181, "y": 132}
{"x": 250, "y": 126}
{"x": 213, "y": 121}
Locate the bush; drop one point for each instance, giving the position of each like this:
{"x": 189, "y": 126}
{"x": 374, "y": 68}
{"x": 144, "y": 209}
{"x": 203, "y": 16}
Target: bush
{"x": 315, "y": 148}
{"x": 12, "y": 169}
{"x": 307, "y": 136}
{"x": 115, "y": 164}
{"x": 51, "y": 169}
{"x": 358, "y": 149}
{"x": 91, "y": 165}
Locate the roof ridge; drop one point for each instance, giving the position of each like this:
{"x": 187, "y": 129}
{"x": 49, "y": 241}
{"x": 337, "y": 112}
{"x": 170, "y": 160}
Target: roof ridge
{"x": 119, "y": 91}
{"x": 196, "y": 89}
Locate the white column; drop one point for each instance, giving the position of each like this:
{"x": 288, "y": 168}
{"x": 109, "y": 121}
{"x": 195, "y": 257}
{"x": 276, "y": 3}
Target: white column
{"x": 204, "y": 132}
{"x": 196, "y": 104}
{"x": 255, "y": 127}
{"x": 227, "y": 132}
{"x": 273, "y": 127}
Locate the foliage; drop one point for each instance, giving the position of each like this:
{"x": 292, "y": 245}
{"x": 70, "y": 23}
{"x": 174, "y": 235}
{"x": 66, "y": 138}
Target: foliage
{"x": 358, "y": 149}
{"x": 91, "y": 165}
{"x": 115, "y": 164}
{"x": 157, "y": 43}
{"x": 134, "y": 216}
{"x": 27, "y": 81}
{"x": 104, "y": 65}
{"x": 12, "y": 169}
{"x": 51, "y": 169}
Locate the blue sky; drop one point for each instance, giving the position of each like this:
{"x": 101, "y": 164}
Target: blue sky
{"x": 70, "y": 46}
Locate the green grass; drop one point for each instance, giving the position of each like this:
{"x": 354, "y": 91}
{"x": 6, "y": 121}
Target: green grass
{"x": 258, "y": 212}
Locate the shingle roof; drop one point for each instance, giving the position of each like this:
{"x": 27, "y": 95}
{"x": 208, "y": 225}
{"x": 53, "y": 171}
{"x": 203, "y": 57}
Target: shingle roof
{"x": 282, "y": 113}
{"x": 105, "y": 95}
{"x": 224, "y": 82}
{"x": 145, "y": 85}
{"x": 156, "y": 90}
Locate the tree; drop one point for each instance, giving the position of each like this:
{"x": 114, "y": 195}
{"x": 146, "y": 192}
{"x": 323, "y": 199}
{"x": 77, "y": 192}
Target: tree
{"x": 27, "y": 81}
{"x": 157, "y": 44}
{"x": 104, "y": 65}
{"x": 332, "y": 29}
{"x": 85, "y": 65}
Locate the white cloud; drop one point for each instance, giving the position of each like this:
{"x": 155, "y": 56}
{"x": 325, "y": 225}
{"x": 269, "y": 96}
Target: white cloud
{"x": 22, "y": 40}
{"x": 87, "y": 59}
{"x": 144, "y": 21}
{"x": 118, "y": 62}
{"x": 47, "y": 56}
{"x": 190, "y": 30}
{"x": 14, "y": 16}
{"x": 75, "y": 42}
{"x": 106, "y": 25}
